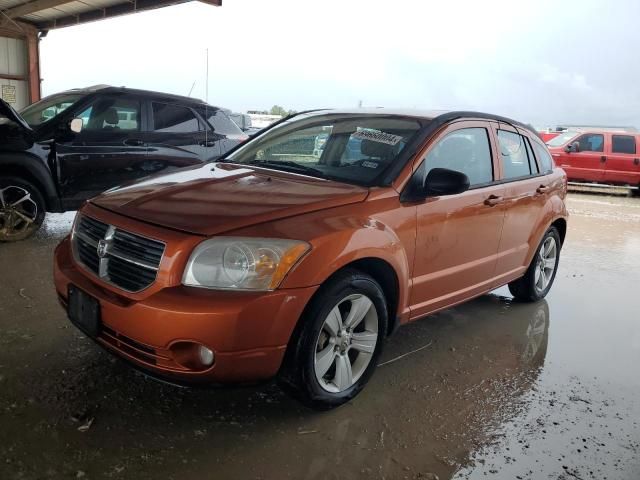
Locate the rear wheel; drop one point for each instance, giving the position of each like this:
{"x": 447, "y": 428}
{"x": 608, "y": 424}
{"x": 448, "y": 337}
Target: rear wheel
{"x": 22, "y": 209}
{"x": 539, "y": 277}
{"x": 336, "y": 347}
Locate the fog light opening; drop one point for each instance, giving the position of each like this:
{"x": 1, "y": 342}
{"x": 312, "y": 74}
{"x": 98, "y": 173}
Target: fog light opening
{"x": 192, "y": 355}
{"x": 206, "y": 356}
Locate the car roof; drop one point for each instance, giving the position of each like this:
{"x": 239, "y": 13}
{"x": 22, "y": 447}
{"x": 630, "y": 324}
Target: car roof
{"x": 438, "y": 116}
{"x": 135, "y": 91}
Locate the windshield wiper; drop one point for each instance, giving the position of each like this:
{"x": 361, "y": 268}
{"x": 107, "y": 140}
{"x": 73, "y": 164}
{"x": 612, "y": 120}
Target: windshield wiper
{"x": 287, "y": 165}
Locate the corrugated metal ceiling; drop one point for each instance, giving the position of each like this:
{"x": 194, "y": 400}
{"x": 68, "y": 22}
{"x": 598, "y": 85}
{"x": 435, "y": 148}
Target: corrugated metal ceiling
{"x": 48, "y": 14}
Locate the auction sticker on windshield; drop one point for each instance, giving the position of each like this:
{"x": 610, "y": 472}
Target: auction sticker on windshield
{"x": 380, "y": 137}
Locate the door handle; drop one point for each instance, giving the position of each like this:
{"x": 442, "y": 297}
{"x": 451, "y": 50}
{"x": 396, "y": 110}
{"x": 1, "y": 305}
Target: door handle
{"x": 208, "y": 143}
{"x": 133, "y": 142}
{"x": 493, "y": 200}
{"x": 603, "y": 158}
{"x": 542, "y": 189}
{"x": 636, "y": 161}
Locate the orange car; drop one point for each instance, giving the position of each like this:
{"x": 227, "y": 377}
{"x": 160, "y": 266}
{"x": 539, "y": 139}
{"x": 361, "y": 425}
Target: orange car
{"x": 287, "y": 260}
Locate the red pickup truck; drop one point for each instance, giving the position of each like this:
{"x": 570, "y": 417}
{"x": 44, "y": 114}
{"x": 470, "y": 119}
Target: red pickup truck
{"x": 598, "y": 156}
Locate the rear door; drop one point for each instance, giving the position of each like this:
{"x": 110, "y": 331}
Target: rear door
{"x": 525, "y": 195}
{"x": 107, "y": 152}
{"x": 177, "y": 136}
{"x": 588, "y": 163}
{"x": 622, "y": 164}
{"x": 458, "y": 235}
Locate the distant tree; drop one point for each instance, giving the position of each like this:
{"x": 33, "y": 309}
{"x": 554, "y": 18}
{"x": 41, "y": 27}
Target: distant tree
{"x": 278, "y": 110}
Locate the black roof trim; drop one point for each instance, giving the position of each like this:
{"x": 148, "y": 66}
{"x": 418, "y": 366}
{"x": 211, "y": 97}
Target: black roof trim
{"x": 436, "y": 123}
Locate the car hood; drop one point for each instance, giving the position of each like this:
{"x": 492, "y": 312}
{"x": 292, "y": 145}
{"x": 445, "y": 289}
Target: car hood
{"x": 7, "y": 111}
{"x": 216, "y": 197}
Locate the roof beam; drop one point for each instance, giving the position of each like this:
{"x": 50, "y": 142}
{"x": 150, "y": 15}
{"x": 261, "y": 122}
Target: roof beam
{"x": 33, "y": 7}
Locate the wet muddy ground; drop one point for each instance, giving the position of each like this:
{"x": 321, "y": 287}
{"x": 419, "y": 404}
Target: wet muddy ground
{"x": 496, "y": 389}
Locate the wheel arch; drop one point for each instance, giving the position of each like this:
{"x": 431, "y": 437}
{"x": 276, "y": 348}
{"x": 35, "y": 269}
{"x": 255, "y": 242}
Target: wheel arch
{"x": 32, "y": 170}
{"x": 386, "y": 276}
{"x": 561, "y": 226}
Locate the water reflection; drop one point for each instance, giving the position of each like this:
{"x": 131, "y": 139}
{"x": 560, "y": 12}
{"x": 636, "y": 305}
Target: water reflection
{"x": 423, "y": 413}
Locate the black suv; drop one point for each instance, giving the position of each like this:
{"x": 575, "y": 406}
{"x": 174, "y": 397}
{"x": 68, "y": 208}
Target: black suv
{"x": 71, "y": 146}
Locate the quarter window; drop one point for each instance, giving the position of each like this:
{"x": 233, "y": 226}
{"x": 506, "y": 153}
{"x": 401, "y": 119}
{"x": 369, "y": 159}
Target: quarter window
{"x": 174, "y": 119}
{"x": 516, "y": 159}
{"x": 624, "y": 144}
{"x": 220, "y": 122}
{"x": 591, "y": 142}
{"x": 546, "y": 162}
{"x": 465, "y": 151}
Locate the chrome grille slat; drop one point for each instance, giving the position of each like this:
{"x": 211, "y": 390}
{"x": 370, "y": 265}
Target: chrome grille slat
{"x": 128, "y": 261}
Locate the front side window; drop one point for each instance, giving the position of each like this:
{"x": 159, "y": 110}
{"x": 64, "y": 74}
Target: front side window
{"x": 591, "y": 142}
{"x": 467, "y": 151}
{"x": 111, "y": 115}
{"x": 515, "y": 153}
{"x": 623, "y": 144}
{"x": 353, "y": 148}
{"x": 174, "y": 119}
{"x": 48, "y": 108}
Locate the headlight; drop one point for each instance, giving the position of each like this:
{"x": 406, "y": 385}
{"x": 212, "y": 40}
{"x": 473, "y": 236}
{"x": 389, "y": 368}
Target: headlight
{"x": 242, "y": 263}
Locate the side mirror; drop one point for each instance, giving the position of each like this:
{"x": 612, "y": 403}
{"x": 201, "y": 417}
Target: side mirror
{"x": 442, "y": 181}
{"x": 572, "y": 147}
{"x": 76, "y": 125}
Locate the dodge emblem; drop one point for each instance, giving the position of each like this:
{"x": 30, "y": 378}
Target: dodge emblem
{"x": 102, "y": 248}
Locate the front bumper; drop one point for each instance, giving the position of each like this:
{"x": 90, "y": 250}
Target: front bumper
{"x": 247, "y": 331}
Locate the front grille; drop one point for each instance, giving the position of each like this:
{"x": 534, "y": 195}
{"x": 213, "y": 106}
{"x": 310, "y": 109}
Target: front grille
{"x": 124, "y": 259}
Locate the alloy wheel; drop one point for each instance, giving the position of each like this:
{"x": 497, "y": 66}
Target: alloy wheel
{"x": 547, "y": 262}
{"x": 18, "y": 211}
{"x": 346, "y": 343}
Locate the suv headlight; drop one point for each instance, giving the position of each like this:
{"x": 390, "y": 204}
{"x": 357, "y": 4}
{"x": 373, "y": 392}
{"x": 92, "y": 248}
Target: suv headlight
{"x": 242, "y": 263}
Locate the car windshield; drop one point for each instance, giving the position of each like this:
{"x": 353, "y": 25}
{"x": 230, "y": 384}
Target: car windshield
{"x": 47, "y": 108}
{"x": 563, "y": 138}
{"x": 353, "y": 148}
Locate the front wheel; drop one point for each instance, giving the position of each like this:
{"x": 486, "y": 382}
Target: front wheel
{"x": 336, "y": 347}
{"x": 22, "y": 209}
{"x": 537, "y": 281}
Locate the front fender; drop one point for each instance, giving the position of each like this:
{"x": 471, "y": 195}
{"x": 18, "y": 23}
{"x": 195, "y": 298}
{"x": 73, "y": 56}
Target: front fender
{"x": 336, "y": 250}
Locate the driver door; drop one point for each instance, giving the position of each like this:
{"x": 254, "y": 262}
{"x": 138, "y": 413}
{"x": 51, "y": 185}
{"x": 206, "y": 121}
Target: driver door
{"x": 107, "y": 152}
{"x": 458, "y": 236}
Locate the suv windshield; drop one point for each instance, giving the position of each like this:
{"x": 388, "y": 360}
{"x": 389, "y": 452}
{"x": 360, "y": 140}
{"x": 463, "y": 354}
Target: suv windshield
{"x": 563, "y": 138}
{"x": 47, "y": 108}
{"x": 353, "y": 148}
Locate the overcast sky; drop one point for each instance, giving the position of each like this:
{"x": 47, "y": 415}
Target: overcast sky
{"x": 543, "y": 62}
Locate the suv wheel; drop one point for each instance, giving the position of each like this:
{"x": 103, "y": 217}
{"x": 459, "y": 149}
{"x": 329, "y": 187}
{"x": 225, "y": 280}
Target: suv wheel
{"x": 537, "y": 281}
{"x": 22, "y": 209}
{"x": 336, "y": 348}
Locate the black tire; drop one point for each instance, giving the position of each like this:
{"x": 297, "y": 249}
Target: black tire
{"x": 13, "y": 227}
{"x": 636, "y": 192}
{"x": 524, "y": 289}
{"x": 298, "y": 375}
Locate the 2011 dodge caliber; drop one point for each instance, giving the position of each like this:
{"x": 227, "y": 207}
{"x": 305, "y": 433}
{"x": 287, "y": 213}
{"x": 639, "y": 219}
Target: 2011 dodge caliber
{"x": 295, "y": 261}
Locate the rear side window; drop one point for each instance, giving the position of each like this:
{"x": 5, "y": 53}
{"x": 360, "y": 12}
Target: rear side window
{"x": 623, "y": 144}
{"x": 174, "y": 119}
{"x": 517, "y": 160}
{"x": 465, "y": 151}
{"x": 591, "y": 142}
{"x": 546, "y": 162}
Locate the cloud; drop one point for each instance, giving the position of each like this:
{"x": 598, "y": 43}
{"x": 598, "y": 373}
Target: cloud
{"x": 544, "y": 62}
